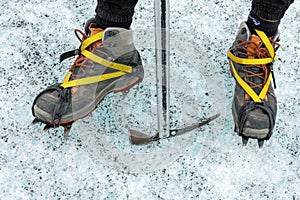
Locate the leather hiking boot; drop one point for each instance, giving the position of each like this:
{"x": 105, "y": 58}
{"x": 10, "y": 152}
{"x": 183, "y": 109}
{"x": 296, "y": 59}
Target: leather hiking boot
{"x": 107, "y": 61}
{"x": 254, "y": 104}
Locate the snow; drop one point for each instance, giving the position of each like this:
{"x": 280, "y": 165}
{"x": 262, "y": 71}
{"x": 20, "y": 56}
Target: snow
{"x": 98, "y": 161}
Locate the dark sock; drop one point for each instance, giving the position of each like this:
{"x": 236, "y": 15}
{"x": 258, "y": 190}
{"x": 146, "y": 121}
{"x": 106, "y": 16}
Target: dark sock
{"x": 269, "y": 28}
{"x": 102, "y": 23}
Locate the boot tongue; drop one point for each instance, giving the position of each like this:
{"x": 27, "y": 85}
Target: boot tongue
{"x": 252, "y": 54}
{"x": 253, "y": 46}
{"x": 94, "y": 31}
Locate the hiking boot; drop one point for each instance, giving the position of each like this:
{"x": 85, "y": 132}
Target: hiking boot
{"x": 254, "y": 104}
{"x": 107, "y": 62}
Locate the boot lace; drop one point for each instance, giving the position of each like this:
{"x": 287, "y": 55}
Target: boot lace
{"x": 254, "y": 48}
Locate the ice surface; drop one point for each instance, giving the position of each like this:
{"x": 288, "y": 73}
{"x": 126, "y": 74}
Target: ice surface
{"x": 98, "y": 162}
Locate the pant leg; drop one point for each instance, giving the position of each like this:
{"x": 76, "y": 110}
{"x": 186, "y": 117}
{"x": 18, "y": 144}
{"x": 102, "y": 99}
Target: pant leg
{"x": 116, "y": 13}
{"x": 265, "y": 15}
{"x": 270, "y": 9}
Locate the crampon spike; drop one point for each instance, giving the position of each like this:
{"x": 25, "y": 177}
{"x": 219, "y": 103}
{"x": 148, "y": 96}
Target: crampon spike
{"x": 236, "y": 129}
{"x": 35, "y": 121}
{"x": 67, "y": 130}
{"x": 245, "y": 140}
{"x": 260, "y": 143}
{"x": 47, "y": 127}
{"x": 124, "y": 93}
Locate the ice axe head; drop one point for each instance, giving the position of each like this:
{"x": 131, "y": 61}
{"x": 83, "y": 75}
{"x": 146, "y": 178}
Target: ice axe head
{"x": 138, "y": 138}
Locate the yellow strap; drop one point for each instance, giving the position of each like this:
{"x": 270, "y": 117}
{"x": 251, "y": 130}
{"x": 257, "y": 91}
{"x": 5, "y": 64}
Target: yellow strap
{"x": 113, "y": 65}
{"x": 249, "y": 61}
{"x": 267, "y": 43}
{"x": 265, "y": 89}
{"x": 123, "y": 69}
{"x": 90, "y": 40}
{"x": 257, "y": 61}
{"x": 244, "y": 85}
{"x": 92, "y": 79}
{"x": 67, "y": 77}
{"x": 256, "y": 98}
{"x": 260, "y": 61}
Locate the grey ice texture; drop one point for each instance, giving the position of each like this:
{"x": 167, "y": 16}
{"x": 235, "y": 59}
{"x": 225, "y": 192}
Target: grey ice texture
{"x": 97, "y": 161}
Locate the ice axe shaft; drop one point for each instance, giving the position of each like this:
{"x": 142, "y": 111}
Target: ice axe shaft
{"x": 162, "y": 48}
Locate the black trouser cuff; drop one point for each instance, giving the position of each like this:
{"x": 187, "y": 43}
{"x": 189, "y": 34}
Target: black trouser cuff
{"x": 269, "y": 28}
{"x": 117, "y": 13}
{"x": 270, "y": 9}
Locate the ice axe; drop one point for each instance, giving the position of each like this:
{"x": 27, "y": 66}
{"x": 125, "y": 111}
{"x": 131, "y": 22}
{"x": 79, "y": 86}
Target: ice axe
{"x": 162, "y": 49}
